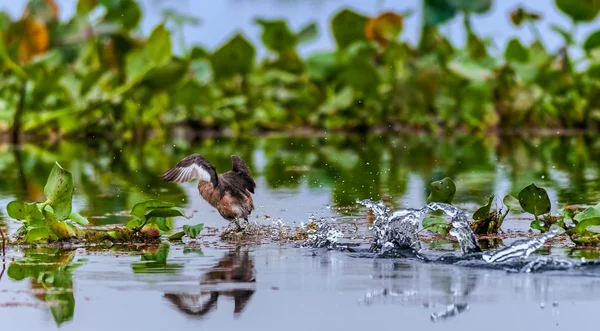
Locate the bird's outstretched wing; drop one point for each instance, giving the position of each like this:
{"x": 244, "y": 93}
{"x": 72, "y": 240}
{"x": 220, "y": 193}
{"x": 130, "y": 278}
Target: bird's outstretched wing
{"x": 192, "y": 167}
{"x": 242, "y": 174}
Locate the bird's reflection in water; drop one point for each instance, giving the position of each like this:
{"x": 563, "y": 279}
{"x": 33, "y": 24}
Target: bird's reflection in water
{"x": 232, "y": 277}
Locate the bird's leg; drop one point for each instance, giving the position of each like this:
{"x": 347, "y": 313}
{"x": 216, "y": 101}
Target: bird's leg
{"x": 238, "y": 225}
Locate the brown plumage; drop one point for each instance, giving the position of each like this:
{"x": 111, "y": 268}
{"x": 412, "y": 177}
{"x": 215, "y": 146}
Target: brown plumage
{"x": 230, "y": 192}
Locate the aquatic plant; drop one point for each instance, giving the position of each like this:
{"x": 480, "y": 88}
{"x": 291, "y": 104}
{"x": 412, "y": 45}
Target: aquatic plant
{"x": 47, "y": 221}
{"x": 93, "y": 74}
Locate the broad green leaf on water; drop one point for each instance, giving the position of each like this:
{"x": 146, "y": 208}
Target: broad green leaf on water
{"x": 580, "y": 10}
{"x": 140, "y": 209}
{"x": 193, "y": 231}
{"x": 235, "y": 57}
{"x": 177, "y": 236}
{"x": 133, "y": 224}
{"x": 321, "y": 66}
{"x": 484, "y": 211}
{"x": 167, "y": 75}
{"x": 442, "y": 191}
{"x": 162, "y": 223}
{"x": 276, "y": 35}
{"x": 588, "y": 213}
{"x": 348, "y": 27}
{"x": 165, "y": 212}
{"x": 307, "y": 33}
{"x": 75, "y": 217}
{"x": 592, "y": 41}
{"x": 22, "y": 211}
{"x": 126, "y": 12}
{"x": 17, "y": 271}
{"x": 582, "y": 226}
{"x": 511, "y": 202}
{"x": 534, "y": 200}
{"x": 567, "y": 37}
{"x": 436, "y": 225}
{"x": 58, "y": 228}
{"x": 515, "y": 51}
{"x": 59, "y": 191}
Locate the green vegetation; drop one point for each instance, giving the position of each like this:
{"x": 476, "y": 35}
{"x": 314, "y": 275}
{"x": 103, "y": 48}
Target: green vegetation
{"x": 46, "y": 222}
{"x": 93, "y": 74}
{"x": 582, "y": 225}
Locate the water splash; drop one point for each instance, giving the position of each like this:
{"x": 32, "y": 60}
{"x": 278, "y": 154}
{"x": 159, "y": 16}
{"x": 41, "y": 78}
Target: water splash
{"x": 325, "y": 236}
{"x": 520, "y": 249}
{"x": 546, "y": 264}
{"x": 460, "y": 226}
{"x": 394, "y": 230}
{"x": 451, "y": 311}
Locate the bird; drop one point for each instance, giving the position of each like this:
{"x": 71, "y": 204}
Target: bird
{"x": 230, "y": 192}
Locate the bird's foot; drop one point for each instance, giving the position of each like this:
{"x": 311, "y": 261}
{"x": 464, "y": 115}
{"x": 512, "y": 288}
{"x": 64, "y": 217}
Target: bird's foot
{"x": 238, "y": 230}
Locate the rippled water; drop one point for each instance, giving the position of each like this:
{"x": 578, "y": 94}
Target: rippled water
{"x": 213, "y": 285}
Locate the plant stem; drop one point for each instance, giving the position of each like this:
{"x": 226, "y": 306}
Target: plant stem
{"x": 43, "y": 206}
{"x": 3, "y": 253}
{"x": 16, "y": 130}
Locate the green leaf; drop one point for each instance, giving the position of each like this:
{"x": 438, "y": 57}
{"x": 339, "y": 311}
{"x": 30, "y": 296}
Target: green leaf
{"x": 592, "y": 41}
{"x": 515, "y": 51}
{"x": 567, "y": 37}
{"x": 538, "y": 225}
{"x": 166, "y": 212}
{"x": 125, "y": 12}
{"x": 156, "y": 52}
{"x": 580, "y": 10}
{"x": 590, "y": 212}
{"x": 321, "y": 66}
{"x": 162, "y": 224}
{"x": 36, "y": 234}
{"x": 177, "y": 236}
{"x": 593, "y": 228}
{"x": 348, "y": 27}
{"x": 86, "y": 6}
{"x": 197, "y": 251}
{"x": 235, "y": 57}
{"x": 436, "y": 12}
{"x": 59, "y": 191}
{"x": 194, "y": 230}
{"x": 307, "y": 33}
{"x": 134, "y": 224}
{"x": 534, "y": 200}
{"x": 581, "y": 228}
{"x": 22, "y": 211}
{"x": 436, "y": 225}
{"x": 167, "y": 75}
{"x": 471, "y": 6}
{"x": 470, "y": 70}
{"x": 276, "y": 35}
{"x": 484, "y": 211}
{"x": 476, "y": 47}
{"x": 442, "y": 191}
{"x": 75, "y": 217}
{"x": 594, "y": 71}
{"x": 140, "y": 209}
{"x": 511, "y": 202}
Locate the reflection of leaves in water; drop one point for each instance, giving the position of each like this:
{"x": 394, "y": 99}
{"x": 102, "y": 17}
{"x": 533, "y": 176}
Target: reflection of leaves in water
{"x": 51, "y": 270}
{"x": 113, "y": 176}
{"x": 155, "y": 261}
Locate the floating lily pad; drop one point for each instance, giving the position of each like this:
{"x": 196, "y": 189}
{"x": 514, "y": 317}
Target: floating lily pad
{"x": 534, "y": 200}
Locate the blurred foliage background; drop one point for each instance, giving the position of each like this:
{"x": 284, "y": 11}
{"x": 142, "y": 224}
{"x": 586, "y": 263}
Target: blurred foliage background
{"x": 94, "y": 74}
